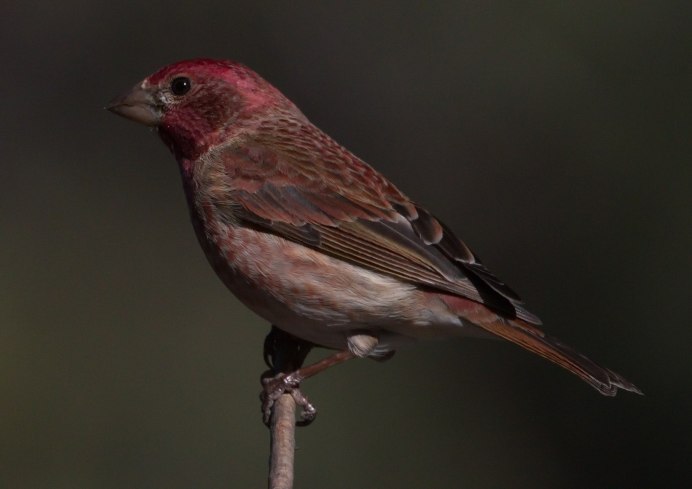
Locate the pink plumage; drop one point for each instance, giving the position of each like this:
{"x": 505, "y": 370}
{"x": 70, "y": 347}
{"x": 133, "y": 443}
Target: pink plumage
{"x": 313, "y": 239}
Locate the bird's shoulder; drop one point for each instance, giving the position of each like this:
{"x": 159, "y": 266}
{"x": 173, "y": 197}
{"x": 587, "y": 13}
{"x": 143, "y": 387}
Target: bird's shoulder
{"x": 285, "y": 159}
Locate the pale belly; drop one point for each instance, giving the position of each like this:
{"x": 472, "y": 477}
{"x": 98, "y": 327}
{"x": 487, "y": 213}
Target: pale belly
{"x": 322, "y": 299}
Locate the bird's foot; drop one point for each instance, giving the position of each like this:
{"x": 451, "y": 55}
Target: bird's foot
{"x": 274, "y": 386}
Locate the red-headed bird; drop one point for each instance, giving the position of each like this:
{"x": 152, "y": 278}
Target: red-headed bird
{"x": 316, "y": 241}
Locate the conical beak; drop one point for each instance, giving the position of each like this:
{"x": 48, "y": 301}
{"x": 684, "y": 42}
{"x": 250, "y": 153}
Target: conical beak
{"x": 138, "y": 105}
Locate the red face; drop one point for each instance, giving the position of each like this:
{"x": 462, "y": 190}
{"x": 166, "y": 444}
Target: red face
{"x": 190, "y": 102}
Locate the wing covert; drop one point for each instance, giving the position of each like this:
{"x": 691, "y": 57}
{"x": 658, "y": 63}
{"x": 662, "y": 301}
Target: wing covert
{"x": 327, "y": 199}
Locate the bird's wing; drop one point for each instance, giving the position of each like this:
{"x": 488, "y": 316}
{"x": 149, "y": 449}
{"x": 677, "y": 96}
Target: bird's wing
{"x": 323, "y": 197}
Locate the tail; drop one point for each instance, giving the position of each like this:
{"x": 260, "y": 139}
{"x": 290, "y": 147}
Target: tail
{"x": 533, "y": 339}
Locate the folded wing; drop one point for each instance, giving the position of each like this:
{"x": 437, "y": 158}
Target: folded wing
{"x": 321, "y": 196}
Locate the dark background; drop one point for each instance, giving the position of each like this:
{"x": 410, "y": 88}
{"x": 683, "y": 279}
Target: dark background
{"x": 554, "y": 137}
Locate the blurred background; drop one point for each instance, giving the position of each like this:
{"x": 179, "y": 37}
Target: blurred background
{"x": 554, "y": 137}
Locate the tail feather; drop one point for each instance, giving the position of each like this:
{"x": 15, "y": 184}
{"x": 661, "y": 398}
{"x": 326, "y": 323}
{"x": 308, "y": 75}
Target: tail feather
{"x": 531, "y": 338}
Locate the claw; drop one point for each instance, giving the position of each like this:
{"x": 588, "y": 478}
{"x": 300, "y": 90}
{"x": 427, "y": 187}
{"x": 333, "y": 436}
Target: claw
{"x": 284, "y": 354}
{"x": 278, "y": 385}
{"x": 308, "y": 411}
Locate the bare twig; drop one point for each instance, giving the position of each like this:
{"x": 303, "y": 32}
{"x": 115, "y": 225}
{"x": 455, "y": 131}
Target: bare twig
{"x": 283, "y": 353}
{"x": 282, "y": 443}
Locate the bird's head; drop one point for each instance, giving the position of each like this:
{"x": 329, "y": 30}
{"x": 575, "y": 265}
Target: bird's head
{"x": 194, "y": 103}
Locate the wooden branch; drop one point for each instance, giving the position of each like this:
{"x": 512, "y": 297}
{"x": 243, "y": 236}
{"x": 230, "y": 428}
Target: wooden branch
{"x": 283, "y": 353}
{"x": 282, "y": 443}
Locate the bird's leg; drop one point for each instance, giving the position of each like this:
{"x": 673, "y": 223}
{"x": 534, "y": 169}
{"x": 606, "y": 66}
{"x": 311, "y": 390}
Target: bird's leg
{"x": 285, "y": 354}
{"x": 283, "y": 382}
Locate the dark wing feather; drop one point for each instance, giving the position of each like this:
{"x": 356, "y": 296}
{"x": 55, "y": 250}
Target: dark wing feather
{"x": 316, "y": 193}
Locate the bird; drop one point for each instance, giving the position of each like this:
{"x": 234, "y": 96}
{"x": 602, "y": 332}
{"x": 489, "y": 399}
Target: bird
{"x": 316, "y": 241}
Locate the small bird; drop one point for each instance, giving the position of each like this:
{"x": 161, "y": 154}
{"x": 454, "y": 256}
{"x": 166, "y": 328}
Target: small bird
{"x": 313, "y": 239}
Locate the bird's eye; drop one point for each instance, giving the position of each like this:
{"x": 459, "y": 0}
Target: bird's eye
{"x": 180, "y": 85}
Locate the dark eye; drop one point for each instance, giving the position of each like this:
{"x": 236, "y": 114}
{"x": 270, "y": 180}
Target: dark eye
{"x": 180, "y": 85}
